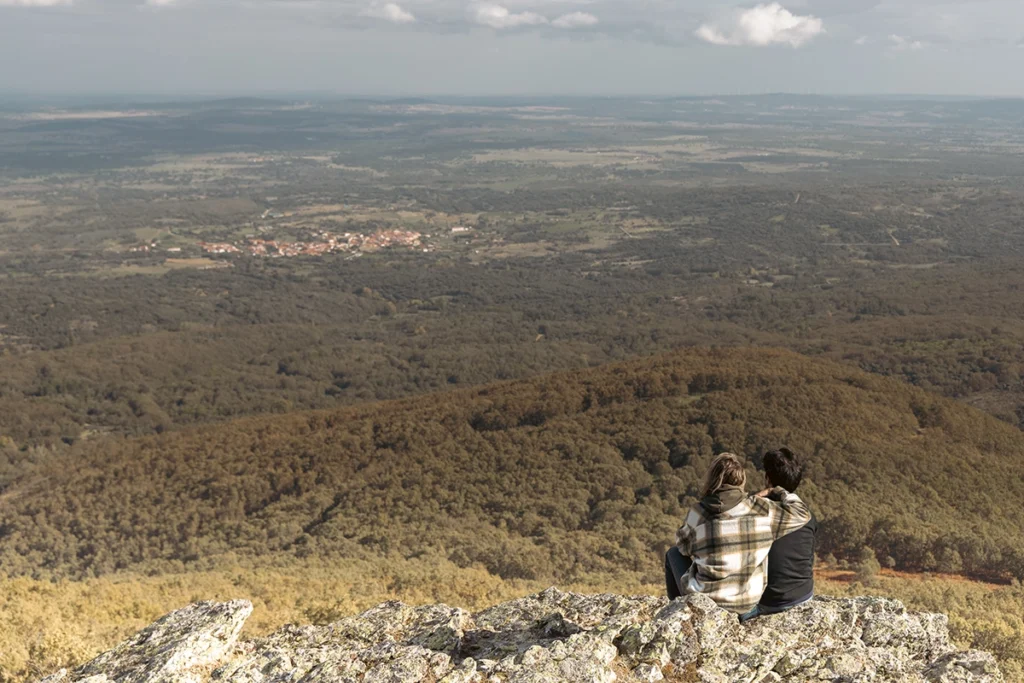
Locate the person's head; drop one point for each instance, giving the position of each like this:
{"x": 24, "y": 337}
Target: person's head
{"x": 782, "y": 468}
{"x": 726, "y": 470}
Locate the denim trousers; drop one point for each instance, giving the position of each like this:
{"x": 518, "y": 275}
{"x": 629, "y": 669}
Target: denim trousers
{"x": 676, "y": 567}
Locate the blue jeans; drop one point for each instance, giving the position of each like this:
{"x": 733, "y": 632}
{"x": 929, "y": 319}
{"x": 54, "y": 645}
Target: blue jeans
{"x": 676, "y": 567}
{"x": 760, "y": 610}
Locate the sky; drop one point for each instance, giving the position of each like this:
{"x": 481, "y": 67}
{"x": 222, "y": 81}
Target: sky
{"x": 512, "y": 47}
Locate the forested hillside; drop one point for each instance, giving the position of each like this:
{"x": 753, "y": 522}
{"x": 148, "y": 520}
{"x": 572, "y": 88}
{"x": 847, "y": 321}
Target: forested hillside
{"x": 142, "y": 355}
{"x": 552, "y": 478}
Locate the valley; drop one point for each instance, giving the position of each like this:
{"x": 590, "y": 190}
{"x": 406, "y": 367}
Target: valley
{"x": 459, "y": 351}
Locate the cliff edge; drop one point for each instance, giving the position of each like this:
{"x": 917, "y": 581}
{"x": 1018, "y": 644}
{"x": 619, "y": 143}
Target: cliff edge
{"x": 547, "y": 637}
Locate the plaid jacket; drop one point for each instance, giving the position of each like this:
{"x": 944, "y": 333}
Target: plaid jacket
{"x": 728, "y": 538}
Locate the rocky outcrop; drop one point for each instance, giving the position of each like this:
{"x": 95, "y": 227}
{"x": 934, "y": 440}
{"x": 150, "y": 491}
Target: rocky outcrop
{"x": 183, "y": 647}
{"x": 548, "y": 637}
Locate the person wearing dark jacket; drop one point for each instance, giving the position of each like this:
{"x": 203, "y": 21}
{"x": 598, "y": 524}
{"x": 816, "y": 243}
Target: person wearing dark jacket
{"x": 791, "y": 558}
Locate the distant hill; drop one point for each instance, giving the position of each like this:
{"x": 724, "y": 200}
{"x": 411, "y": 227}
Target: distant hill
{"x": 550, "y": 478}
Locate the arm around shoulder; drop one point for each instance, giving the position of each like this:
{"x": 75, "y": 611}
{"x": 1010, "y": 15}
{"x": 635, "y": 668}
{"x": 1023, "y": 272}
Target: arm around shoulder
{"x": 791, "y": 513}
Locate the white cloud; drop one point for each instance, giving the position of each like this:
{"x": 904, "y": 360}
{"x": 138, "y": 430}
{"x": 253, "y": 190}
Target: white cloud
{"x": 575, "y": 20}
{"x": 863, "y": 40}
{"x": 901, "y": 43}
{"x": 764, "y": 25}
{"x": 33, "y": 3}
{"x": 497, "y": 16}
{"x": 161, "y": 3}
{"x": 390, "y": 12}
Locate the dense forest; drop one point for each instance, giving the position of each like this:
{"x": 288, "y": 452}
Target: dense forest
{"x": 551, "y": 478}
{"x": 141, "y": 355}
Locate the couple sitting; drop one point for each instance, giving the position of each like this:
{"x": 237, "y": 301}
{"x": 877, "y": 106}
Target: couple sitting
{"x": 752, "y": 554}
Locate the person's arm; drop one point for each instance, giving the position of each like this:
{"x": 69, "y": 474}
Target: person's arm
{"x": 790, "y": 513}
{"x": 684, "y": 540}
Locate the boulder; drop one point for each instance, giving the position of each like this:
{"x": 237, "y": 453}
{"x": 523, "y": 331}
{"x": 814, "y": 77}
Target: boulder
{"x": 183, "y": 647}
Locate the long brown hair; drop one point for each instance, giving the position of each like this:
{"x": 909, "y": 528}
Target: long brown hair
{"x": 726, "y": 470}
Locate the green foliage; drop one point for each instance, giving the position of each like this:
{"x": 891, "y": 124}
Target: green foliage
{"x": 544, "y": 479}
{"x": 868, "y": 567}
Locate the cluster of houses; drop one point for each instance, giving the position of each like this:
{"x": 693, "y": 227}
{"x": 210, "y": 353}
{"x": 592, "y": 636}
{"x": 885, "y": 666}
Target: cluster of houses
{"x": 320, "y": 242}
{"x": 325, "y": 243}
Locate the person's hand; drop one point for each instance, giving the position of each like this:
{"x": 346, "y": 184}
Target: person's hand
{"x": 764, "y": 494}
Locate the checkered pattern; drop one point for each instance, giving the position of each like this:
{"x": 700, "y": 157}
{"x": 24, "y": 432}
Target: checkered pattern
{"x": 730, "y": 549}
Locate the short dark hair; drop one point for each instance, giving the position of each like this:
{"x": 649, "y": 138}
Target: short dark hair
{"x": 783, "y": 468}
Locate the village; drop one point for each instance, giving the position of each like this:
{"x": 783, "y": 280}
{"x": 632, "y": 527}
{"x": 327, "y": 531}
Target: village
{"x": 323, "y": 243}
{"x": 312, "y": 241}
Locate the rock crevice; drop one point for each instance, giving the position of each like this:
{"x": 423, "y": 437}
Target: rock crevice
{"x": 547, "y": 637}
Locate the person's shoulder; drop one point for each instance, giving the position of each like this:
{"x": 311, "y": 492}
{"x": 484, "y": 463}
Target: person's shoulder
{"x": 695, "y": 515}
{"x": 759, "y": 505}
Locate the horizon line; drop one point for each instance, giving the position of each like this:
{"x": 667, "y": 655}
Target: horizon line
{"x": 329, "y": 95}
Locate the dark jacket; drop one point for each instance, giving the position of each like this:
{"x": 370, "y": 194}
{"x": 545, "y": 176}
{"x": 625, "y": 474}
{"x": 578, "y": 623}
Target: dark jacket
{"x": 791, "y": 567}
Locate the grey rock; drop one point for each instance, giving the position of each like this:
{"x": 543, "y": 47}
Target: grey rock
{"x": 56, "y": 677}
{"x": 957, "y": 667}
{"x": 182, "y": 647}
{"x": 648, "y": 673}
{"x": 551, "y": 637}
{"x": 668, "y": 638}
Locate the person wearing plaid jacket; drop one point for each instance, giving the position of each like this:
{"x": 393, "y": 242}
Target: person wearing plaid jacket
{"x": 722, "y": 548}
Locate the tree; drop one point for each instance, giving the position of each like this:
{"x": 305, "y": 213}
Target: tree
{"x": 949, "y": 561}
{"x": 868, "y": 567}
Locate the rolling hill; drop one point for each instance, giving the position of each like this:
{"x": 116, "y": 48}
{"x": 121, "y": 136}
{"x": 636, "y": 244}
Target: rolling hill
{"x": 553, "y": 478}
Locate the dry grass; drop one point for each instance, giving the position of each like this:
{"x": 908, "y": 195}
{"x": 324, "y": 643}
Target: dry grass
{"x": 47, "y": 625}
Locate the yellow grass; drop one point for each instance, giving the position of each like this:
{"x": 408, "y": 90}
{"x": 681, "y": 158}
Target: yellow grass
{"x": 47, "y": 625}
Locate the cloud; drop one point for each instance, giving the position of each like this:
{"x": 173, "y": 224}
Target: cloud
{"x": 863, "y": 40}
{"x": 390, "y": 12}
{"x": 575, "y": 20}
{"x": 763, "y": 25}
{"x": 161, "y": 3}
{"x": 901, "y": 43}
{"x": 33, "y": 3}
{"x": 499, "y": 17}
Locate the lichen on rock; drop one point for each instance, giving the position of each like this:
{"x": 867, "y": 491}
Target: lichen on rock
{"x": 547, "y": 638}
{"x": 182, "y": 647}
